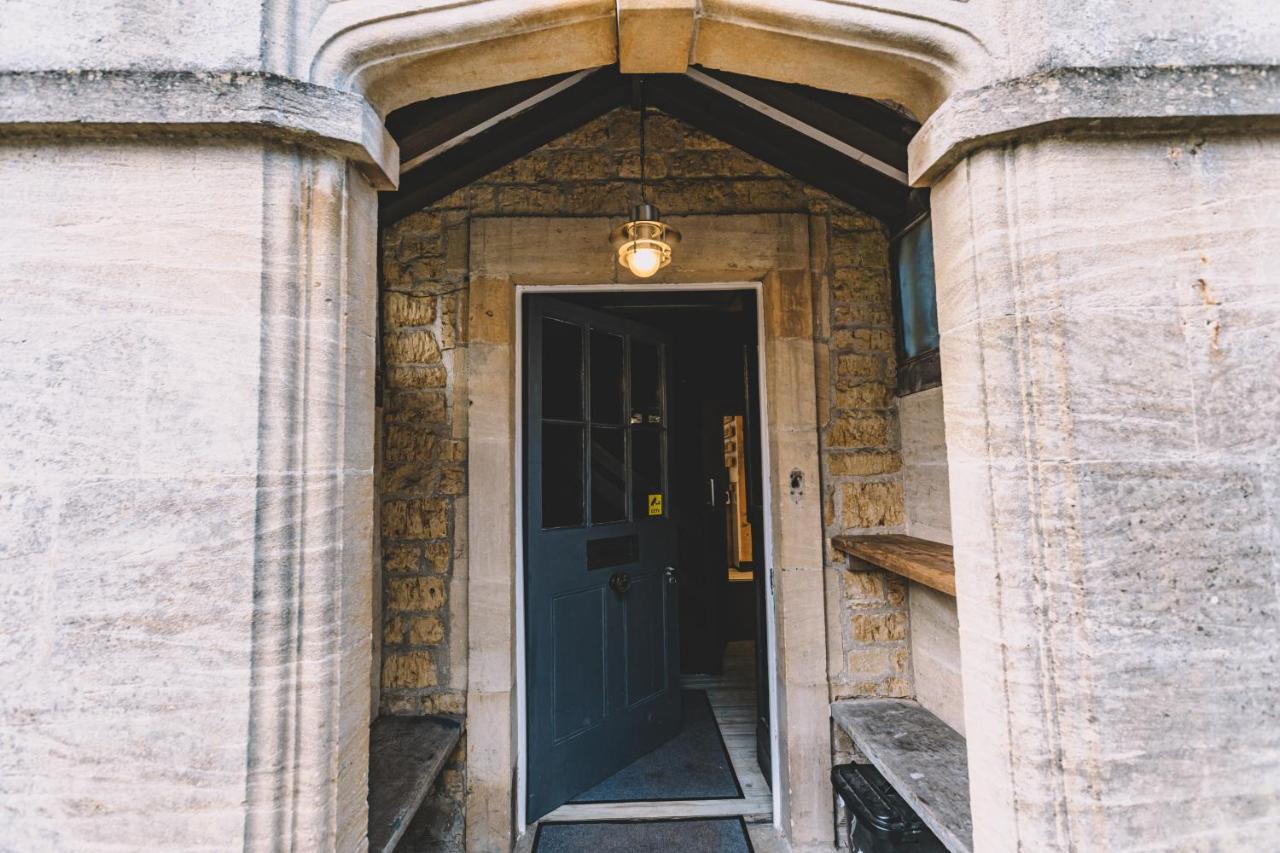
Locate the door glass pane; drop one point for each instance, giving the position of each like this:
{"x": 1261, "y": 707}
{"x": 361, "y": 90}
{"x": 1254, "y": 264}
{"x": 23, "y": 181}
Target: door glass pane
{"x": 646, "y": 383}
{"x": 606, "y": 377}
{"x": 646, "y": 473}
{"x": 561, "y": 370}
{"x": 561, "y": 475}
{"x": 608, "y": 475}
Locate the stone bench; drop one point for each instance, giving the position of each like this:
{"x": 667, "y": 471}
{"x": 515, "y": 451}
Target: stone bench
{"x": 921, "y": 756}
{"x": 406, "y": 755}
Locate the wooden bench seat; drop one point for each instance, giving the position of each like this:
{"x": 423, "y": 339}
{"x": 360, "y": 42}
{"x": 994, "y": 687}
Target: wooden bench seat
{"x": 925, "y": 562}
{"x": 406, "y": 755}
{"x": 921, "y": 756}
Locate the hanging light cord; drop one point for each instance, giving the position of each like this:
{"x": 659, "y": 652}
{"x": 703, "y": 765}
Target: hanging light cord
{"x": 644, "y": 198}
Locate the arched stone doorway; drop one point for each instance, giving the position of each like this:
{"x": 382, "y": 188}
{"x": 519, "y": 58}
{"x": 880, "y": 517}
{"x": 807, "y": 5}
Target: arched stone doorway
{"x": 401, "y": 59}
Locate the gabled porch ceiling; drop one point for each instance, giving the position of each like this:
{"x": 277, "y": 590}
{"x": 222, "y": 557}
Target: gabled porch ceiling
{"x": 853, "y": 148}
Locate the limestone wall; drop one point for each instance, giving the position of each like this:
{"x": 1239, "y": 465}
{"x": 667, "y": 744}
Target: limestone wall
{"x": 591, "y": 172}
{"x": 170, "y": 395}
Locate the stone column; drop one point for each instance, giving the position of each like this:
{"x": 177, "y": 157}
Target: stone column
{"x": 1109, "y": 310}
{"x": 186, "y": 360}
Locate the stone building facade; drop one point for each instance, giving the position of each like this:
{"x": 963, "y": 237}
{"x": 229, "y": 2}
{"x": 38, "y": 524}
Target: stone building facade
{"x": 189, "y": 314}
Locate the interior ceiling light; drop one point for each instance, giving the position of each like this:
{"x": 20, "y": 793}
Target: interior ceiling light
{"x": 644, "y": 244}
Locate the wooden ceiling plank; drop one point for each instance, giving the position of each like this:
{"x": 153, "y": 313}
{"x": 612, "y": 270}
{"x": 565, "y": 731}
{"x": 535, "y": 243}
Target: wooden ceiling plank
{"x": 779, "y": 146}
{"x": 479, "y": 128}
{"x": 816, "y": 133}
{"x": 421, "y": 126}
{"x": 861, "y": 122}
{"x": 504, "y": 143}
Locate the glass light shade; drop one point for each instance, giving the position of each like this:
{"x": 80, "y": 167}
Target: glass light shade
{"x": 644, "y": 260}
{"x": 644, "y": 243}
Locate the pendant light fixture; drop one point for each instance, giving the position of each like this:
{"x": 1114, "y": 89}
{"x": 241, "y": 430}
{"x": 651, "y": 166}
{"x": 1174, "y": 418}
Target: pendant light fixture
{"x": 644, "y": 243}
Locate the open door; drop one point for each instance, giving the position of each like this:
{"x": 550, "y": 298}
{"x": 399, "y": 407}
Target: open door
{"x": 600, "y": 545}
{"x": 751, "y": 440}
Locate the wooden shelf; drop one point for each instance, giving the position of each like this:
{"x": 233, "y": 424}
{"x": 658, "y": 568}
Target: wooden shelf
{"x": 406, "y": 754}
{"x": 923, "y": 758}
{"x": 925, "y": 562}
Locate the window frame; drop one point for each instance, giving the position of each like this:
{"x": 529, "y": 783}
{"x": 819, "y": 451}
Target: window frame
{"x": 923, "y": 371}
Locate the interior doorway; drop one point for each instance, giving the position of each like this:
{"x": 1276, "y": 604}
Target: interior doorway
{"x": 646, "y": 614}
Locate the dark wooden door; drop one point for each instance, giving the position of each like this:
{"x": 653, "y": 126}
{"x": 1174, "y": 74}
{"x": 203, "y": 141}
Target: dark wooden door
{"x": 600, "y": 583}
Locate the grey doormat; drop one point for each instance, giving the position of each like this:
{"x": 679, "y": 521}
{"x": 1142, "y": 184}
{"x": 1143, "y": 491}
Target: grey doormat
{"x": 705, "y": 835}
{"x": 693, "y": 765}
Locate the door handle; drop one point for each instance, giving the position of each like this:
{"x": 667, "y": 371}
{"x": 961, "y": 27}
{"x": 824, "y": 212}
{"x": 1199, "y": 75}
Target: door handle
{"x": 620, "y": 582}
{"x": 670, "y": 572}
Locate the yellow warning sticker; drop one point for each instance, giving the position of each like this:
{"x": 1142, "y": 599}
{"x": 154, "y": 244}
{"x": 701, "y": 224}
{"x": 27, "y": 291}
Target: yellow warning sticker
{"x": 655, "y": 504}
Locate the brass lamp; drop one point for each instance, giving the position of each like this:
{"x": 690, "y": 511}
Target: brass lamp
{"x": 644, "y": 243}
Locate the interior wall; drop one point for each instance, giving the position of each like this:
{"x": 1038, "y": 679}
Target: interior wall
{"x": 935, "y": 627}
{"x": 426, "y": 288}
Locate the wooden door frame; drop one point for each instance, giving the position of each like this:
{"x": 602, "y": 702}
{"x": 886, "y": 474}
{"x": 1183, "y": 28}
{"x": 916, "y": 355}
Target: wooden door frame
{"x": 522, "y": 720}
{"x": 769, "y": 253}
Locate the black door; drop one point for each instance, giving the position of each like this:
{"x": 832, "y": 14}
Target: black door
{"x": 603, "y": 685}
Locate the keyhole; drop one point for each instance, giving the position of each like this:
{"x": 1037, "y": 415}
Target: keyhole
{"x": 797, "y": 482}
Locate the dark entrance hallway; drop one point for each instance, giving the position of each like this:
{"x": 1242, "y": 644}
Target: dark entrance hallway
{"x": 713, "y": 758}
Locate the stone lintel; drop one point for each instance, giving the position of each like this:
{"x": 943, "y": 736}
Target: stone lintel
{"x": 214, "y": 104}
{"x": 1094, "y": 100}
{"x": 655, "y": 36}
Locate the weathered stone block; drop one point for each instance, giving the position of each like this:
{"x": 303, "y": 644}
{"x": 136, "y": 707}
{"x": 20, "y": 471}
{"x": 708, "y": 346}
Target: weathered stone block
{"x": 417, "y": 376}
{"x": 860, "y": 283}
{"x": 879, "y": 627}
{"x": 863, "y": 464}
{"x": 452, "y": 481}
{"x": 418, "y": 408}
{"x": 869, "y": 396}
{"x": 528, "y": 170}
{"x": 438, "y": 554}
{"x": 871, "y": 504}
{"x": 401, "y": 559}
{"x": 885, "y": 662}
{"x": 655, "y": 165}
{"x": 863, "y": 340}
{"x": 427, "y": 630}
{"x": 415, "y": 594}
{"x": 406, "y": 309}
{"x": 848, "y": 431}
{"x": 393, "y": 631}
{"x": 415, "y": 519}
{"x": 567, "y": 165}
{"x": 863, "y": 313}
{"x": 854, "y": 369}
{"x": 864, "y": 587}
{"x": 415, "y": 347}
{"x": 412, "y": 669}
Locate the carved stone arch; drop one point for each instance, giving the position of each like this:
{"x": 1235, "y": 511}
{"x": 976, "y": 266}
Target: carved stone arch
{"x": 400, "y": 51}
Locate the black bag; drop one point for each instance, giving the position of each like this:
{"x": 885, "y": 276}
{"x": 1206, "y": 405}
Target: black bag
{"x": 880, "y": 821}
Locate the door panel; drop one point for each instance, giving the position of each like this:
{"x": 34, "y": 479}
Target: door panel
{"x": 645, "y": 654}
{"x": 578, "y": 637}
{"x": 603, "y": 685}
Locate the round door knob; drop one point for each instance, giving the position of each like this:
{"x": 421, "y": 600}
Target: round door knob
{"x": 620, "y": 582}
{"x": 670, "y": 572}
